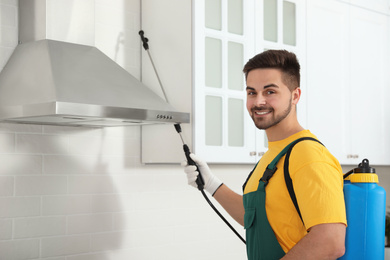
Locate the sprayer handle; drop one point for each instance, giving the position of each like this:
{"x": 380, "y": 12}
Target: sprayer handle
{"x": 199, "y": 179}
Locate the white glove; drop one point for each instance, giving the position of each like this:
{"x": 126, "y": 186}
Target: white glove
{"x": 211, "y": 183}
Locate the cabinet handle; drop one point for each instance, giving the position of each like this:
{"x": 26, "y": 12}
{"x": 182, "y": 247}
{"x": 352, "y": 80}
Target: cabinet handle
{"x": 352, "y": 156}
{"x": 261, "y": 154}
{"x": 252, "y": 154}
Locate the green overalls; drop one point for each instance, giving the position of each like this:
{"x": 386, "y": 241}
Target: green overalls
{"x": 261, "y": 242}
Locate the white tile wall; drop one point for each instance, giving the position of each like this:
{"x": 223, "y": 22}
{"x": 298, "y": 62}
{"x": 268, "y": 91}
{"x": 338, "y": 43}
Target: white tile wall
{"x": 71, "y": 193}
{"x": 39, "y": 226}
{"x": 6, "y": 229}
{"x": 65, "y": 245}
{"x": 66, "y": 205}
{"x": 20, "y": 249}
{"x": 13, "y": 207}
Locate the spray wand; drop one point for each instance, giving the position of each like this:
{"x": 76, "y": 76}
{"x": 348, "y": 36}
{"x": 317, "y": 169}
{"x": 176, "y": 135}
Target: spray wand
{"x": 187, "y": 152}
{"x": 199, "y": 179}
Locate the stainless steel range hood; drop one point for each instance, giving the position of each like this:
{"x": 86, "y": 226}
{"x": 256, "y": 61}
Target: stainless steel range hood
{"x": 52, "y": 82}
{"x": 59, "y": 83}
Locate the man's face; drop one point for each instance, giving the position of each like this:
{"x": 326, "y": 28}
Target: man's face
{"x": 269, "y": 101}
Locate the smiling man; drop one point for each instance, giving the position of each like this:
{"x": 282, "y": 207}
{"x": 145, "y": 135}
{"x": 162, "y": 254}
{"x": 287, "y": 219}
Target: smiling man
{"x": 275, "y": 227}
{"x": 262, "y": 100}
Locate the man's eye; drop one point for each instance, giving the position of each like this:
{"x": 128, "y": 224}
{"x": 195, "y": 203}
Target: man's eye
{"x": 251, "y": 93}
{"x": 270, "y": 92}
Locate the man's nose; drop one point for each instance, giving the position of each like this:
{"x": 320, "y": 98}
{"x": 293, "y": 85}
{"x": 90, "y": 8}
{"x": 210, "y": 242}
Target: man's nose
{"x": 260, "y": 100}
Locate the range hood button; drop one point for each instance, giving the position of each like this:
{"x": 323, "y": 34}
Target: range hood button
{"x": 167, "y": 117}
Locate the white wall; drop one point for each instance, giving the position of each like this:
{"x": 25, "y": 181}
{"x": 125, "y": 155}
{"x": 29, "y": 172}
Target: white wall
{"x": 82, "y": 194}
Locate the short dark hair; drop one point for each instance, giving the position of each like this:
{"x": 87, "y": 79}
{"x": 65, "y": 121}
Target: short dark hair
{"x": 283, "y": 60}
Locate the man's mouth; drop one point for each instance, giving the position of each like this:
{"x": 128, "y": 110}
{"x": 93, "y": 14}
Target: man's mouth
{"x": 260, "y": 113}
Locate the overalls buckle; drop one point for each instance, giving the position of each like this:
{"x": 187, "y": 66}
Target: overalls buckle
{"x": 268, "y": 173}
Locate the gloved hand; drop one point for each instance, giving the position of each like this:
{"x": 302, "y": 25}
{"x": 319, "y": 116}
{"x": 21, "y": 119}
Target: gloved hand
{"x": 211, "y": 183}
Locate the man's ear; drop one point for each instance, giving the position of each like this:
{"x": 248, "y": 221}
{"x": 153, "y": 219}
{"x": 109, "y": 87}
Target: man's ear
{"x": 296, "y": 95}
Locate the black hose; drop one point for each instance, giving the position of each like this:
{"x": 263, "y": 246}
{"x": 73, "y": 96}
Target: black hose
{"x": 200, "y": 182}
{"x": 347, "y": 174}
{"x": 221, "y": 216}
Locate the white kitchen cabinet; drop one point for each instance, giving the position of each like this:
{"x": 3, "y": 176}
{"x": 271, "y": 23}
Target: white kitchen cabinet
{"x": 347, "y": 60}
{"x": 224, "y": 132}
{"x": 368, "y": 82}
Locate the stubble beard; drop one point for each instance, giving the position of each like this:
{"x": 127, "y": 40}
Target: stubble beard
{"x": 264, "y": 123}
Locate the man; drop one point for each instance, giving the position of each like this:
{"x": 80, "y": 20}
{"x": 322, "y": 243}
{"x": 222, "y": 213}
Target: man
{"x": 274, "y": 229}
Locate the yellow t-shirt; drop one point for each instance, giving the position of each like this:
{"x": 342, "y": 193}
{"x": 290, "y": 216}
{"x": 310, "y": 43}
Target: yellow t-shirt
{"x": 318, "y": 185}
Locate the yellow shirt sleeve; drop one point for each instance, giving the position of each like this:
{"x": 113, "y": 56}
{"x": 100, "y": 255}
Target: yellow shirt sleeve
{"x": 318, "y": 186}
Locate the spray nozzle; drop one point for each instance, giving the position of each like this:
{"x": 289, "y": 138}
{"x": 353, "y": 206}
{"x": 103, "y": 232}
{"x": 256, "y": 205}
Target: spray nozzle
{"x": 364, "y": 167}
{"x": 178, "y": 128}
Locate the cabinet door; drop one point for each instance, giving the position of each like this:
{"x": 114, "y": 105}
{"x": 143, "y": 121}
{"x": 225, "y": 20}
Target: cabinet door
{"x": 368, "y": 79}
{"x": 223, "y": 43}
{"x": 347, "y": 78}
{"x": 327, "y": 74}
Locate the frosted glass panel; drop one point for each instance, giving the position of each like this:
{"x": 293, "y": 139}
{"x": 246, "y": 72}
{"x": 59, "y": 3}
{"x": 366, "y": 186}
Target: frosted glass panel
{"x": 289, "y": 23}
{"x": 235, "y": 122}
{"x": 235, "y": 16}
{"x": 270, "y": 20}
{"x": 213, "y": 122}
{"x": 213, "y": 14}
{"x": 213, "y": 60}
{"x": 235, "y": 64}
